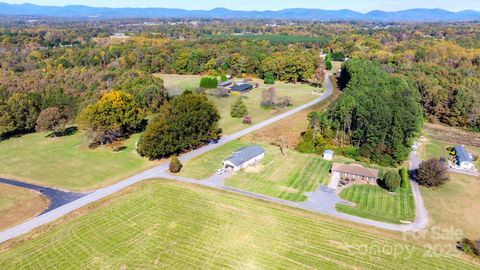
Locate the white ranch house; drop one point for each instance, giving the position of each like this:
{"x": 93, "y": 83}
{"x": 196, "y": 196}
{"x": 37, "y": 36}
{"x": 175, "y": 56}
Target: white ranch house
{"x": 244, "y": 157}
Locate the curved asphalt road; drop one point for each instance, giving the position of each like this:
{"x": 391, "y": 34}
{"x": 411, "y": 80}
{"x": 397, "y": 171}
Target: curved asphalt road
{"x": 151, "y": 173}
{"x": 56, "y": 197}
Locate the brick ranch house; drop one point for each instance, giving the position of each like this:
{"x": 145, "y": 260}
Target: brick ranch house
{"x": 355, "y": 172}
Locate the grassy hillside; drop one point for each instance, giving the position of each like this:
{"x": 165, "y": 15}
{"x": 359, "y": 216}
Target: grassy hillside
{"x": 67, "y": 162}
{"x": 176, "y": 226}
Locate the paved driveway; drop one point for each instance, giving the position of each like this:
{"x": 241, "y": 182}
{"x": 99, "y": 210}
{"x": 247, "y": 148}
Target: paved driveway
{"x": 334, "y": 180}
{"x": 56, "y": 197}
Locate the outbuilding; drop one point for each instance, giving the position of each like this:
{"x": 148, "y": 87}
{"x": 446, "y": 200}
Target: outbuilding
{"x": 242, "y": 88}
{"x": 328, "y": 155}
{"x": 244, "y": 157}
{"x": 463, "y": 158}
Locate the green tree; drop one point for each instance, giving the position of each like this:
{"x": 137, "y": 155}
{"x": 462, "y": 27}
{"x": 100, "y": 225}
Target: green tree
{"x": 391, "y": 180}
{"x": 328, "y": 65}
{"x": 223, "y": 77}
{"x": 208, "y": 83}
{"x": 186, "y": 122}
{"x": 19, "y": 114}
{"x": 269, "y": 78}
{"x": 238, "y": 109}
{"x": 115, "y": 115}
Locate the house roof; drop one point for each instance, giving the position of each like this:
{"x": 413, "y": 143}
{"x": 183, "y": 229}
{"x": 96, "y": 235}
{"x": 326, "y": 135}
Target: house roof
{"x": 242, "y": 87}
{"x": 328, "y": 152}
{"x": 355, "y": 169}
{"x": 245, "y": 154}
{"x": 225, "y": 83}
{"x": 462, "y": 154}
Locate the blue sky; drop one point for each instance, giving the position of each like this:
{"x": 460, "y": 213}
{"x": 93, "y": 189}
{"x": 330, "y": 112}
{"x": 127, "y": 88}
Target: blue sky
{"x": 358, "y": 5}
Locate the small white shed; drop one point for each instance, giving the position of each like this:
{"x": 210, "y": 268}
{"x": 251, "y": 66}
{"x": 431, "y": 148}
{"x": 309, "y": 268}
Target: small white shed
{"x": 328, "y": 155}
{"x": 244, "y": 157}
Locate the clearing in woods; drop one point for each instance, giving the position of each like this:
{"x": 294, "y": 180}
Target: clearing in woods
{"x": 162, "y": 224}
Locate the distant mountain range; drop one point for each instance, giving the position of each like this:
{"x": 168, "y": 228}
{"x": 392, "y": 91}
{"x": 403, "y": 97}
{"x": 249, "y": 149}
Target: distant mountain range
{"x": 411, "y": 15}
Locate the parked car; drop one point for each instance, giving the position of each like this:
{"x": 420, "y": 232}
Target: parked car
{"x": 220, "y": 171}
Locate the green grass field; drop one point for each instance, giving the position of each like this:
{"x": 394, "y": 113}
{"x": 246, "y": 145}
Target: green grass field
{"x": 285, "y": 177}
{"x": 373, "y": 202}
{"x": 67, "y": 162}
{"x": 166, "y": 225}
{"x": 300, "y": 94}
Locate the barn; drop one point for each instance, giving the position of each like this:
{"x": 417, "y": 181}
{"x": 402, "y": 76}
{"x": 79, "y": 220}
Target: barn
{"x": 244, "y": 157}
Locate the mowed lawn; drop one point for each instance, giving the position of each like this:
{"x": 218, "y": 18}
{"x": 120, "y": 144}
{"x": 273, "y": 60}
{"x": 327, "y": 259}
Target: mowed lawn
{"x": 67, "y": 162}
{"x": 167, "y": 225}
{"x": 300, "y": 94}
{"x": 373, "y": 202}
{"x": 286, "y": 177}
{"x": 18, "y": 204}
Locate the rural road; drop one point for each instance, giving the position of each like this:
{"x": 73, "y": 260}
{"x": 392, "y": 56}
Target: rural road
{"x": 154, "y": 172}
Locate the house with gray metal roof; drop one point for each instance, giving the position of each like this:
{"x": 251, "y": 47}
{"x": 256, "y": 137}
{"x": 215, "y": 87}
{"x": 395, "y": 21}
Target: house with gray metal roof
{"x": 463, "y": 158}
{"x": 244, "y": 157}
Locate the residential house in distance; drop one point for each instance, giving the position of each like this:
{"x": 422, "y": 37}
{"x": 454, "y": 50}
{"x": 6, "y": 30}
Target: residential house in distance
{"x": 463, "y": 159}
{"x": 244, "y": 157}
{"x": 355, "y": 172}
{"x": 242, "y": 88}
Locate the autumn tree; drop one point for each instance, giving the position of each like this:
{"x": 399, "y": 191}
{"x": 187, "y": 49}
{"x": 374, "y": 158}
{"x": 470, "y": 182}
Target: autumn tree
{"x": 187, "y": 121}
{"x": 51, "y": 119}
{"x": 114, "y": 116}
{"x": 268, "y": 97}
{"x": 432, "y": 173}
{"x": 319, "y": 76}
{"x": 238, "y": 109}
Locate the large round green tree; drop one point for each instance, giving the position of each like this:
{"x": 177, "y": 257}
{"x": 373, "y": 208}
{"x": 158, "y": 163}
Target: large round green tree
{"x": 186, "y": 122}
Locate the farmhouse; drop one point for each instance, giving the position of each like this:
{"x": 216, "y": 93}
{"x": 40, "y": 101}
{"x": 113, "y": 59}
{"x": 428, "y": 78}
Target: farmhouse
{"x": 463, "y": 158}
{"x": 244, "y": 157}
{"x": 242, "y": 88}
{"x": 355, "y": 172}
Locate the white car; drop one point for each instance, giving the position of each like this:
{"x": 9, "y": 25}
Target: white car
{"x": 220, "y": 171}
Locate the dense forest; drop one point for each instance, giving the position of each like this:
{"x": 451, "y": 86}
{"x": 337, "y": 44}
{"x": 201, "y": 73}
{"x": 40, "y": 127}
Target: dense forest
{"x": 69, "y": 65}
{"x": 377, "y": 117}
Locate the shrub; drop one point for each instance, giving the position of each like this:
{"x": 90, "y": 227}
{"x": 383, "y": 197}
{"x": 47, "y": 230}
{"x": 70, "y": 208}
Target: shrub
{"x": 51, "y": 119}
{"x": 469, "y": 246}
{"x": 405, "y": 179}
{"x": 247, "y": 120}
{"x": 223, "y": 78}
{"x": 432, "y": 173}
{"x": 269, "y": 78}
{"x": 284, "y": 102}
{"x": 209, "y": 82}
{"x": 238, "y": 109}
{"x": 175, "y": 165}
{"x": 391, "y": 180}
